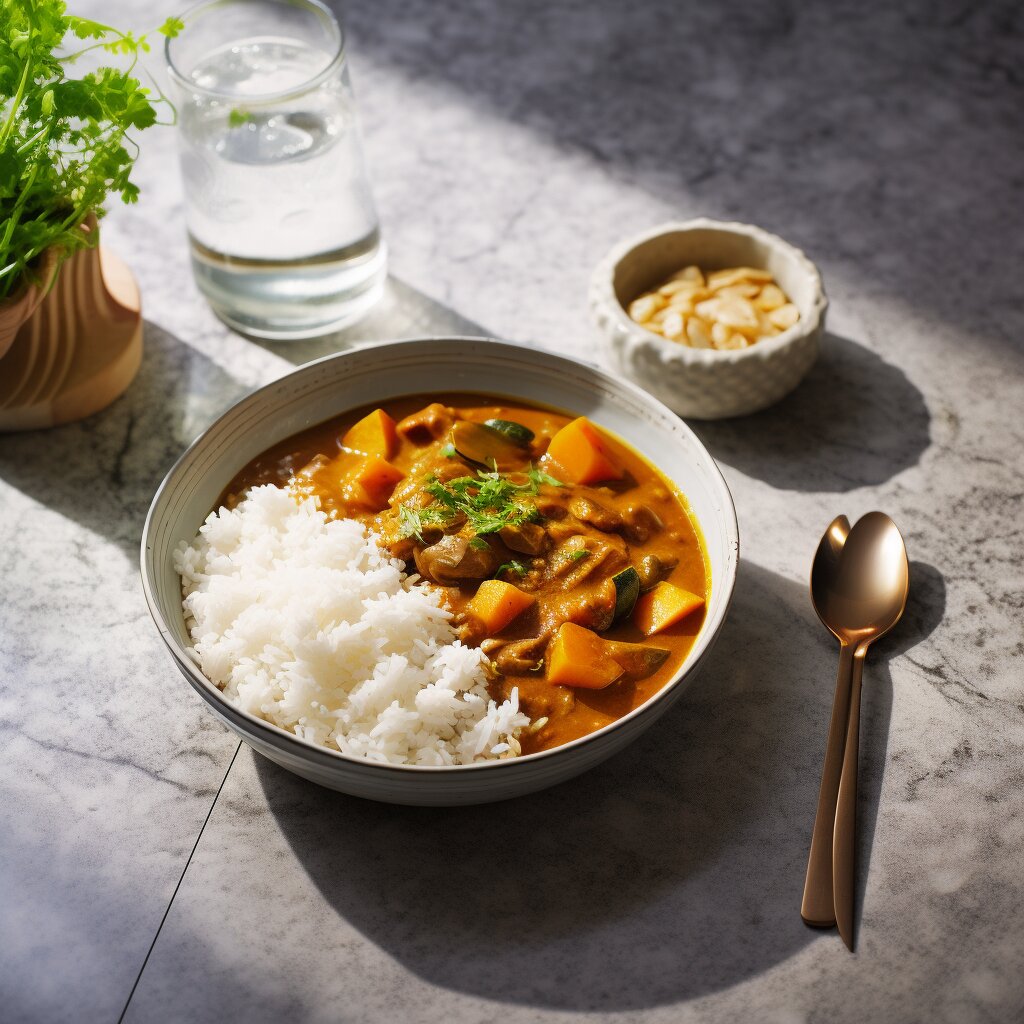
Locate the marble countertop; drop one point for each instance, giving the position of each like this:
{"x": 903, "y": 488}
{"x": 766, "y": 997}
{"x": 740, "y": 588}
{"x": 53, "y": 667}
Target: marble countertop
{"x": 150, "y": 866}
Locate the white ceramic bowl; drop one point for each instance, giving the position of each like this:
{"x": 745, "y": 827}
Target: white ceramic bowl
{"x": 706, "y": 383}
{"x": 335, "y": 384}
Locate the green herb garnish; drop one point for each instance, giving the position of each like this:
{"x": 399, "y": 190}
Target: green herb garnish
{"x": 64, "y": 143}
{"x": 479, "y": 543}
{"x": 538, "y": 477}
{"x": 486, "y": 502}
{"x": 414, "y": 521}
{"x": 578, "y": 556}
{"x": 514, "y": 566}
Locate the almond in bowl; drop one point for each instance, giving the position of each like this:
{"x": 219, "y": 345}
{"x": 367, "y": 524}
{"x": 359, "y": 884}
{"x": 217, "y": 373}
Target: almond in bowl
{"x": 714, "y": 318}
{"x": 728, "y": 309}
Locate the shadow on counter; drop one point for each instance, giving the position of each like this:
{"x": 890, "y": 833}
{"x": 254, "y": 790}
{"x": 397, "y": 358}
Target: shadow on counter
{"x": 102, "y": 472}
{"x": 854, "y": 421}
{"x": 673, "y": 870}
{"x": 402, "y": 312}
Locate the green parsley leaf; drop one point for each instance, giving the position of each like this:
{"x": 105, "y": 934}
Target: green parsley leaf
{"x": 65, "y": 145}
{"x": 514, "y": 566}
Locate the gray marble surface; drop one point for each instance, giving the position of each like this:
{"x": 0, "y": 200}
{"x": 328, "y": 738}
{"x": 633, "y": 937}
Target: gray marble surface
{"x": 510, "y": 146}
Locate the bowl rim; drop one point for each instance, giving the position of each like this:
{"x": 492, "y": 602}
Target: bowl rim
{"x": 603, "y": 299}
{"x": 246, "y": 723}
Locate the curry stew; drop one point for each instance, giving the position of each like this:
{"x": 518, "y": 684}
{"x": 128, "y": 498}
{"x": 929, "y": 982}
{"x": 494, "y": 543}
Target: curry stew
{"x": 565, "y": 556}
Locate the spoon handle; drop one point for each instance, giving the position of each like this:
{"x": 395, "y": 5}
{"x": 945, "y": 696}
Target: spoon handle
{"x": 818, "y": 906}
{"x": 844, "y": 840}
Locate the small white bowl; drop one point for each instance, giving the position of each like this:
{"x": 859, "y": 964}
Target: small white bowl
{"x": 707, "y": 383}
{"x": 337, "y": 383}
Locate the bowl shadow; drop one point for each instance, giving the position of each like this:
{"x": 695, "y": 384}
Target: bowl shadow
{"x": 673, "y": 870}
{"x": 854, "y": 421}
{"x": 102, "y": 472}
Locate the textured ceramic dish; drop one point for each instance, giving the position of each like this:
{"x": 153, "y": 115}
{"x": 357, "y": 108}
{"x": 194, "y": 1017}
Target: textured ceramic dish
{"x": 330, "y": 386}
{"x": 706, "y": 383}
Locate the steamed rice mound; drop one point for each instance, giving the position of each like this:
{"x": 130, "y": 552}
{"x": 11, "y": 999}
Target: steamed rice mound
{"x": 308, "y": 622}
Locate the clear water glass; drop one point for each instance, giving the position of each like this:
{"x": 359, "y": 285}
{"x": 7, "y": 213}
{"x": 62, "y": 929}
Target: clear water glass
{"x": 283, "y": 229}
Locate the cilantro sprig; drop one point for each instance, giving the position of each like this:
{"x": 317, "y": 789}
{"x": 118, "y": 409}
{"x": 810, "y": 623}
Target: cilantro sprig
{"x": 64, "y": 141}
{"x": 486, "y": 503}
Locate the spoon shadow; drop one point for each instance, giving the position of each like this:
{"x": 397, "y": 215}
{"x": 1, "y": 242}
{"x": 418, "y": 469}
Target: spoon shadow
{"x": 926, "y": 605}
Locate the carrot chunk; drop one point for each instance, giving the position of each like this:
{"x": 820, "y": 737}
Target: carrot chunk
{"x": 577, "y": 657}
{"x": 664, "y": 606}
{"x": 371, "y": 480}
{"x": 496, "y": 603}
{"x": 375, "y": 434}
{"x": 583, "y": 454}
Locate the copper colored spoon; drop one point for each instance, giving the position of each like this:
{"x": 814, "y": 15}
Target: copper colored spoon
{"x": 859, "y": 584}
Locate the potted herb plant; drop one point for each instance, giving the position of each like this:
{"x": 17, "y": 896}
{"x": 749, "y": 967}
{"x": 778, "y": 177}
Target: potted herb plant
{"x": 65, "y": 142}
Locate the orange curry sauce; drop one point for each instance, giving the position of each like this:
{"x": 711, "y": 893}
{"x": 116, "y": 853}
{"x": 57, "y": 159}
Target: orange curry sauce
{"x": 670, "y": 536}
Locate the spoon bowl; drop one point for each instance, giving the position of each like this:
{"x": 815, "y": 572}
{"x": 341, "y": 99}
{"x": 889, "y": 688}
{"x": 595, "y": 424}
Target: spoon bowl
{"x": 861, "y": 593}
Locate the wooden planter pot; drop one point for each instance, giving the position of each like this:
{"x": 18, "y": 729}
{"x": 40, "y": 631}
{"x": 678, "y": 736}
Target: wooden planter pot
{"x": 69, "y": 348}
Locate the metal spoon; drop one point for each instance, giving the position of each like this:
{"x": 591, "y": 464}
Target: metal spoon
{"x": 859, "y": 586}
{"x": 818, "y": 906}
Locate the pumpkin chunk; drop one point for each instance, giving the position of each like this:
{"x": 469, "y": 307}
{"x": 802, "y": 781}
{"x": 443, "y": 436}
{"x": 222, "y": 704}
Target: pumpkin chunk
{"x": 577, "y": 657}
{"x": 375, "y": 434}
{"x": 371, "y": 480}
{"x": 496, "y": 603}
{"x": 664, "y": 606}
{"x": 583, "y": 453}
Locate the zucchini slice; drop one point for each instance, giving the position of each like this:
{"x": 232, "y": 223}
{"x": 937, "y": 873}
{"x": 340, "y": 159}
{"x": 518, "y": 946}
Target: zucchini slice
{"x": 484, "y": 446}
{"x": 627, "y": 590}
{"x": 638, "y": 661}
{"x": 515, "y": 432}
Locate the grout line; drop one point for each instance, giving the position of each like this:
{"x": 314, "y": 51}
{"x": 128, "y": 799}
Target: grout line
{"x": 167, "y": 910}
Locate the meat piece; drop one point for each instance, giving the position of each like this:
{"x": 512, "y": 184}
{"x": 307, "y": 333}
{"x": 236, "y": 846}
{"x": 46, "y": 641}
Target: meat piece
{"x": 520, "y": 656}
{"x": 550, "y": 508}
{"x": 528, "y": 538}
{"x": 569, "y": 526}
{"x": 428, "y": 424}
{"x": 589, "y": 606}
{"x": 601, "y": 518}
{"x": 453, "y": 559}
{"x": 640, "y": 523}
{"x": 581, "y": 556}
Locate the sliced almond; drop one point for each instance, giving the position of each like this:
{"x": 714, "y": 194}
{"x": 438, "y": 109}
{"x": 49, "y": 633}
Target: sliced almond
{"x": 674, "y": 326}
{"x": 743, "y": 290}
{"x": 737, "y": 313}
{"x": 734, "y": 275}
{"x": 642, "y": 309}
{"x": 720, "y": 334}
{"x": 697, "y": 332}
{"x": 771, "y": 297}
{"x": 785, "y": 316}
{"x": 675, "y": 287}
{"x": 708, "y": 309}
{"x": 691, "y": 273}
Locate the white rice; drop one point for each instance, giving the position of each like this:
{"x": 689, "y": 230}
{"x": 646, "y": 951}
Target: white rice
{"x": 309, "y": 623}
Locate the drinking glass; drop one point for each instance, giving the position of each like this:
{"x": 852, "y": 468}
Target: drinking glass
{"x": 283, "y": 230}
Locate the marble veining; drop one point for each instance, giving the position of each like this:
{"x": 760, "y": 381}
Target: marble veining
{"x": 510, "y": 146}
